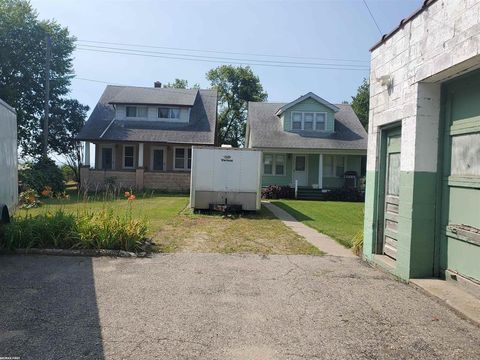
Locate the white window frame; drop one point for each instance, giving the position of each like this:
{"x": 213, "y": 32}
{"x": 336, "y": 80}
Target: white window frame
{"x": 170, "y": 108}
{"x": 107, "y": 146}
{"x": 314, "y": 125}
{"x": 274, "y": 164}
{"x": 136, "y": 112}
{"x": 333, "y": 174}
{"x": 164, "y": 148}
{"x": 185, "y": 158}
{"x": 123, "y": 157}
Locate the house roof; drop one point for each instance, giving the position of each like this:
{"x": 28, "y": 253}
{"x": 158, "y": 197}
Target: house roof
{"x": 266, "y": 130}
{"x": 306, "y": 96}
{"x": 102, "y": 124}
{"x": 155, "y": 96}
{"x": 400, "y": 26}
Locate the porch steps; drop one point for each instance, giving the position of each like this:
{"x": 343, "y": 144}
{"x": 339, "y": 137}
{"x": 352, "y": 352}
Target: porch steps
{"x": 310, "y": 194}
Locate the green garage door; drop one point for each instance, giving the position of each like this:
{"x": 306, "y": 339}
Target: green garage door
{"x": 460, "y": 225}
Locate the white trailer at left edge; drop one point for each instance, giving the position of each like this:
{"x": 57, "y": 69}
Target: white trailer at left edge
{"x": 8, "y": 157}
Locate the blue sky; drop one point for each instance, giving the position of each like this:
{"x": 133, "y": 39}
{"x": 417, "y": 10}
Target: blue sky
{"x": 339, "y": 29}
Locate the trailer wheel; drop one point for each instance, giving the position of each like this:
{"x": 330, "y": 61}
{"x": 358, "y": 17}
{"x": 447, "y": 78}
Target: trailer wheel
{"x": 4, "y": 216}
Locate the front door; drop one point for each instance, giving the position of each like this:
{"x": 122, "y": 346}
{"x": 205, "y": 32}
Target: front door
{"x": 300, "y": 170}
{"x": 107, "y": 158}
{"x": 392, "y": 187}
{"x": 158, "y": 157}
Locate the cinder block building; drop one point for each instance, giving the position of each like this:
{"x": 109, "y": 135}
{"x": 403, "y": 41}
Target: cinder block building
{"x": 422, "y": 210}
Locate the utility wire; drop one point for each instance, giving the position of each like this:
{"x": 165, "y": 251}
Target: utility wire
{"x": 215, "y": 57}
{"x": 221, "y": 52}
{"x": 373, "y": 18}
{"x": 247, "y": 62}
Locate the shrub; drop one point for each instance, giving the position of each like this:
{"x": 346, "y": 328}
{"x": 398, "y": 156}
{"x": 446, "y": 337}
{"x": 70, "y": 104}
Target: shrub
{"x": 44, "y": 173}
{"x": 102, "y": 230}
{"x": 357, "y": 243}
{"x": 278, "y": 192}
{"x": 344, "y": 194}
{"x": 28, "y": 199}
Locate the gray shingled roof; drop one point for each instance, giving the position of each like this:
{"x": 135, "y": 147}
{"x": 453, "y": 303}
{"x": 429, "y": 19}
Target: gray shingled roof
{"x": 155, "y": 96}
{"x": 200, "y": 129}
{"x": 266, "y": 130}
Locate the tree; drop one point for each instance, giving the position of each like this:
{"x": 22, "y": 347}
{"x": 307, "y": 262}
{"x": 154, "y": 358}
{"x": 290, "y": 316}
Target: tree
{"x": 360, "y": 103}
{"x": 180, "y": 84}
{"x": 236, "y": 86}
{"x": 22, "y": 77}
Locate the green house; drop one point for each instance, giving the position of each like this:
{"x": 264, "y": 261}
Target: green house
{"x": 309, "y": 143}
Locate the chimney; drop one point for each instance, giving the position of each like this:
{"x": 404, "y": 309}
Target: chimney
{"x": 157, "y": 84}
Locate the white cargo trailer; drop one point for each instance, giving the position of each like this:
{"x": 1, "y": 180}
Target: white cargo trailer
{"x": 8, "y": 158}
{"x": 225, "y": 177}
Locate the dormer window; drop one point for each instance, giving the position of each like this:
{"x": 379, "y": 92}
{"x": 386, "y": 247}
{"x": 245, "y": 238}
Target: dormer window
{"x": 168, "y": 112}
{"x": 137, "y": 111}
{"x": 309, "y": 121}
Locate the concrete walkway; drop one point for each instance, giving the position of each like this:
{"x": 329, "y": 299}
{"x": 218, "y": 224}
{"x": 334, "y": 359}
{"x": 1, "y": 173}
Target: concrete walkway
{"x": 321, "y": 241}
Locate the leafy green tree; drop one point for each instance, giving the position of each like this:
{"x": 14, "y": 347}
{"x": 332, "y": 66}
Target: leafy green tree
{"x": 180, "y": 84}
{"x": 236, "y": 86}
{"x": 22, "y": 77}
{"x": 360, "y": 103}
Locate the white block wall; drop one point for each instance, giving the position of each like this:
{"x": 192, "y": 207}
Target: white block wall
{"x": 440, "y": 43}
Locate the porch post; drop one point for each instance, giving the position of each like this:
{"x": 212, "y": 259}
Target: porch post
{"x": 86, "y": 161}
{"x": 140, "y": 155}
{"x": 320, "y": 171}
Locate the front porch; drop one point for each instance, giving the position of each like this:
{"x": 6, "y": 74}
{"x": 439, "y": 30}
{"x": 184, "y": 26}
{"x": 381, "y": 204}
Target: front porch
{"x": 159, "y": 166}
{"x": 314, "y": 171}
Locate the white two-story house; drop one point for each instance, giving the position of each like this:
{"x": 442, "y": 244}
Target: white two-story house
{"x": 143, "y": 136}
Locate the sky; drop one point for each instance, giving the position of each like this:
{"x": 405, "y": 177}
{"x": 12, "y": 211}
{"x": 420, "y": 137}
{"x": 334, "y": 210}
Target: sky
{"x": 331, "y": 34}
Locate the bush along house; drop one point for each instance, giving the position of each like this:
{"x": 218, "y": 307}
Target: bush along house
{"x": 422, "y": 209}
{"x": 143, "y": 136}
{"x": 308, "y": 143}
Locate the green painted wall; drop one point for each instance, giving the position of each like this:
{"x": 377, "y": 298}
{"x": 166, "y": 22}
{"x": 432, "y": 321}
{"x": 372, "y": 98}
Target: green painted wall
{"x": 309, "y": 105}
{"x": 312, "y": 169}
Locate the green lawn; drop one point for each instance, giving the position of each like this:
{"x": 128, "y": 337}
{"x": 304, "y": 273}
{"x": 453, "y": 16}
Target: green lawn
{"x": 340, "y": 220}
{"x": 174, "y": 228}
{"x": 156, "y": 209}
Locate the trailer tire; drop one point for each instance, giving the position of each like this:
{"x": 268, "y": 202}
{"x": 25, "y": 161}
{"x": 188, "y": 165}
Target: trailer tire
{"x": 4, "y": 216}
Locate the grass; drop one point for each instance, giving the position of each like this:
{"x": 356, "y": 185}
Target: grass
{"x": 176, "y": 229}
{"x": 343, "y": 221}
{"x": 258, "y": 233}
{"x": 156, "y": 209}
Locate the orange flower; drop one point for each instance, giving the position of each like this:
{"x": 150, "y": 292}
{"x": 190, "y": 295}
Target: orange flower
{"x": 131, "y": 197}
{"x": 127, "y": 194}
{"x": 45, "y": 193}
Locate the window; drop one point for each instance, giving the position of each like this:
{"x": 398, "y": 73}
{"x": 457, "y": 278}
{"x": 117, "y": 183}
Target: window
{"x": 268, "y": 164}
{"x": 137, "y": 111}
{"x": 328, "y": 165}
{"x": 309, "y": 121}
{"x": 279, "y": 164}
{"x": 168, "y": 113}
{"x": 183, "y": 158}
{"x": 320, "y": 121}
{"x": 340, "y": 166}
{"x": 107, "y": 158}
{"x": 296, "y": 121}
{"x": 274, "y": 164}
{"x": 128, "y": 157}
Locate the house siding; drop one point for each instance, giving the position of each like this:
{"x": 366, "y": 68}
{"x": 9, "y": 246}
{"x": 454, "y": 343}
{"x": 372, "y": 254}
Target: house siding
{"x": 308, "y": 105}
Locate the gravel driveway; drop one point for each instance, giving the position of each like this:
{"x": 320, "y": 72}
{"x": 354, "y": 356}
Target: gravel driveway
{"x": 212, "y": 306}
